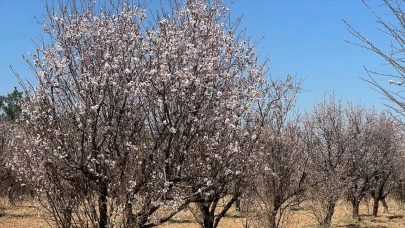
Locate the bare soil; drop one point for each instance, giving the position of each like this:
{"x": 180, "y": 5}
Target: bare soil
{"x": 26, "y": 215}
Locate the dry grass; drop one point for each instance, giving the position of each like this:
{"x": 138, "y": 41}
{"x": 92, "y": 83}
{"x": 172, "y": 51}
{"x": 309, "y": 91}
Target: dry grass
{"x": 22, "y": 215}
{"x": 25, "y": 215}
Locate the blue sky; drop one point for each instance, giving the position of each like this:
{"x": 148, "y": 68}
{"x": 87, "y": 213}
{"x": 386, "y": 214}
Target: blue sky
{"x": 305, "y": 38}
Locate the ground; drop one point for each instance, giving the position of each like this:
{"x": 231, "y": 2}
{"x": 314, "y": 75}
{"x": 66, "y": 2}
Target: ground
{"x": 25, "y": 215}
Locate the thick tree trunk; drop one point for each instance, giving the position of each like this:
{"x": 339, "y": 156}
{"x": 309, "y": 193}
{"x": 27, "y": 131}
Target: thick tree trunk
{"x": 356, "y": 208}
{"x": 208, "y": 216}
{"x": 207, "y": 209}
{"x": 209, "y": 222}
{"x": 102, "y": 207}
{"x": 329, "y": 213}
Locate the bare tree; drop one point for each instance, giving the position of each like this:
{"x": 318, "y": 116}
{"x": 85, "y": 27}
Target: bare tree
{"x": 351, "y": 153}
{"x": 361, "y": 124}
{"x": 326, "y": 144}
{"x": 280, "y": 158}
{"x": 392, "y": 25}
{"x": 133, "y": 119}
{"x": 387, "y": 161}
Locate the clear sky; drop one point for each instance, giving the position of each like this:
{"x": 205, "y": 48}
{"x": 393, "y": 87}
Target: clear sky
{"x": 305, "y": 38}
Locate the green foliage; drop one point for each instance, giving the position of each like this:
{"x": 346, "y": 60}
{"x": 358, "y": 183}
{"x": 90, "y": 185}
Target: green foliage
{"x": 9, "y": 107}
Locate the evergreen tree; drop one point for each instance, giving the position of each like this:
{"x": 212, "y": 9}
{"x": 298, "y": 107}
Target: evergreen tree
{"x": 9, "y": 107}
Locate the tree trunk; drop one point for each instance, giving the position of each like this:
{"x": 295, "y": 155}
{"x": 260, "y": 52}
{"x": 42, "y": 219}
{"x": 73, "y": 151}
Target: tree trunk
{"x": 400, "y": 191}
{"x": 375, "y": 206}
{"x": 209, "y": 221}
{"x": 208, "y": 216}
{"x": 102, "y": 207}
{"x": 356, "y": 208}
{"x": 207, "y": 209}
{"x": 329, "y": 213}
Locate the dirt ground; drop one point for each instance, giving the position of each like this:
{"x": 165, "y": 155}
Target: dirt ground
{"x": 25, "y": 215}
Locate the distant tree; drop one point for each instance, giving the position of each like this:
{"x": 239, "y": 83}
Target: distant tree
{"x": 8, "y": 180}
{"x": 9, "y": 105}
{"x": 392, "y": 25}
{"x": 11, "y": 186}
{"x": 351, "y": 153}
{"x": 280, "y": 158}
{"x": 10, "y": 110}
{"x": 327, "y": 146}
{"x": 361, "y": 154}
{"x": 388, "y": 160}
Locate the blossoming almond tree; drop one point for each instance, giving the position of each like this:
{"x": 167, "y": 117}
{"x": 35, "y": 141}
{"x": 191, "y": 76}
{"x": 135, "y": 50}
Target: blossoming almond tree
{"x": 132, "y": 119}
